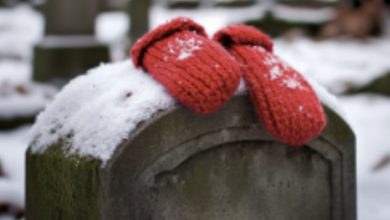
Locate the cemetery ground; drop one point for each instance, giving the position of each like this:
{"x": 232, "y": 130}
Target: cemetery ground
{"x": 337, "y": 64}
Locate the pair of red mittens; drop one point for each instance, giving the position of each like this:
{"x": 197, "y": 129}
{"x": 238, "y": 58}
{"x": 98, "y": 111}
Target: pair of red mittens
{"x": 203, "y": 74}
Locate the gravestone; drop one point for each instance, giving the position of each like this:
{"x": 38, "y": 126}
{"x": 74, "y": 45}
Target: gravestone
{"x": 69, "y": 47}
{"x": 139, "y": 18}
{"x": 307, "y": 16}
{"x": 139, "y": 11}
{"x": 380, "y": 85}
{"x": 235, "y": 3}
{"x": 8, "y": 3}
{"x": 180, "y": 165}
{"x": 187, "y": 4}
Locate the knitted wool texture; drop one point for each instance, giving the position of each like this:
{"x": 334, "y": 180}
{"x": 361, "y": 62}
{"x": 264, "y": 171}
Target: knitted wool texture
{"x": 195, "y": 70}
{"x": 284, "y": 101}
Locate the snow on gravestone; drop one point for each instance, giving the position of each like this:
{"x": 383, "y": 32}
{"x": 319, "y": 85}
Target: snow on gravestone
{"x": 114, "y": 145}
{"x": 69, "y": 47}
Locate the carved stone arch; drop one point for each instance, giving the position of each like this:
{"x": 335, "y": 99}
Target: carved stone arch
{"x": 169, "y": 148}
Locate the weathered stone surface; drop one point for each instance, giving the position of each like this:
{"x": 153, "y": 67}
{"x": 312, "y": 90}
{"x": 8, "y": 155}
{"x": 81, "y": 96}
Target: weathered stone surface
{"x": 69, "y": 47}
{"x": 276, "y": 27}
{"x": 188, "y": 4}
{"x": 58, "y": 59}
{"x": 139, "y": 18}
{"x": 71, "y": 17}
{"x": 180, "y": 165}
{"x": 311, "y": 3}
{"x": 235, "y": 4}
{"x": 61, "y": 187}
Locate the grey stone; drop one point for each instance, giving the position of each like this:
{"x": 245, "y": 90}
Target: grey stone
{"x": 235, "y": 3}
{"x": 71, "y": 17}
{"x": 187, "y": 4}
{"x": 180, "y": 165}
{"x": 57, "y": 59}
{"x": 139, "y": 18}
{"x": 69, "y": 47}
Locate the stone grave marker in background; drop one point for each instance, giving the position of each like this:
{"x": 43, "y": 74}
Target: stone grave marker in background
{"x": 280, "y": 15}
{"x": 235, "y": 3}
{"x": 139, "y": 18}
{"x": 180, "y": 165}
{"x": 307, "y": 16}
{"x": 139, "y": 11}
{"x": 8, "y": 3}
{"x": 188, "y": 4}
{"x": 69, "y": 47}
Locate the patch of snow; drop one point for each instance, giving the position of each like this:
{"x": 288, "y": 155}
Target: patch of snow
{"x": 242, "y": 89}
{"x": 300, "y": 14}
{"x": 112, "y": 28}
{"x": 62, "y": 41}
{"x": 8, "y": 217}
{"x": 337, "y": 64}
{"x": 14, "y": 72}
{"x": 292, "y": 83}
{"x": 18, "y": 95}
{"x": 259, "y": 48}
{"x": 271, "y": 60}
{"x": 275, "y": 72}
{"x": 114, "y": 98}
{"x": 12, "y": 158}
{"x": 327, "y": 98}
{"x": 370, "y": 119}
{"x": 20, "y": 28}
{"x": 185, "y": 48}
{"x": 11, "y": 193}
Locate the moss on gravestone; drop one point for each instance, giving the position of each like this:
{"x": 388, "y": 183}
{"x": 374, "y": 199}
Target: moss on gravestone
{"x": 62, "y": 187}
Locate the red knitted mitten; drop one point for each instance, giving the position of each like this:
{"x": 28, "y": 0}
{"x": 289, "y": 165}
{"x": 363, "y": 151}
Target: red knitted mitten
{"x": 194, "y": 69}
{"x": 285, "y": 102}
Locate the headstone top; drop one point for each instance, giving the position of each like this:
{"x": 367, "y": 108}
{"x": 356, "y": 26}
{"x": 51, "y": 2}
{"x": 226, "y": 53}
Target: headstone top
{"x": 120, "y": 97}
{"x": 71, "y": 16}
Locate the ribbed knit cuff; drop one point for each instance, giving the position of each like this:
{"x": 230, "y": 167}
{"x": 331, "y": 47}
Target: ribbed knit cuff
{"x": 243, "y": 34}
{"x": 163, "y": 31}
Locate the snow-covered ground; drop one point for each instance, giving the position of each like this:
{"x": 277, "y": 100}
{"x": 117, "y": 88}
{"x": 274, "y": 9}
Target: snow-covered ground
{"x": 336, "y": 64}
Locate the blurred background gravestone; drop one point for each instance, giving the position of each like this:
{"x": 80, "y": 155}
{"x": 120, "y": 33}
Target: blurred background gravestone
{"x": 380, "y": 85}
{"x": 234, "y": 3}
{"x": 139, "y": 18}
{"x": 180, "y": 165}
{"x": 306, "y": 16}
{"x": 69, "y": 47}
{"x": 275, "y": 17}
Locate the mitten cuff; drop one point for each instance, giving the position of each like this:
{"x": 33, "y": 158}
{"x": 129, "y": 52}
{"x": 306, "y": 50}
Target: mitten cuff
{"x": 243, "y": 34}
{"x": 163, "y": 31}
